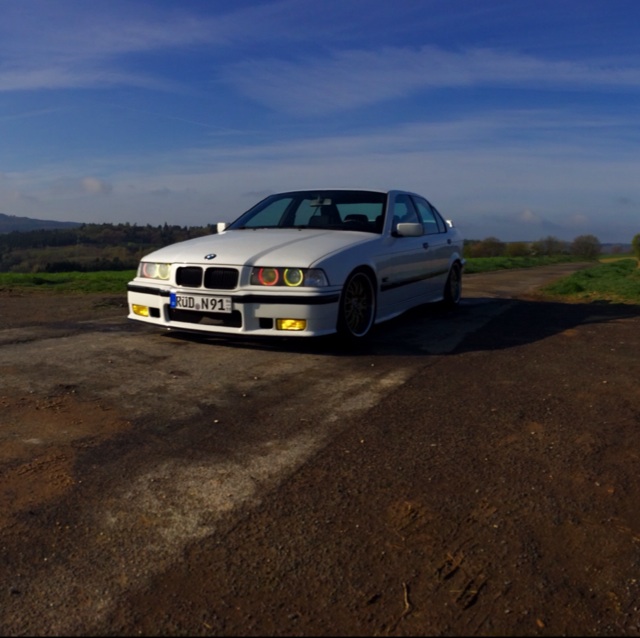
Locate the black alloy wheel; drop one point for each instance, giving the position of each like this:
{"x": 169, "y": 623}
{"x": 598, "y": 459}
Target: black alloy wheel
{"x": 453, "y": 288}
{"x": 357, "y": 306}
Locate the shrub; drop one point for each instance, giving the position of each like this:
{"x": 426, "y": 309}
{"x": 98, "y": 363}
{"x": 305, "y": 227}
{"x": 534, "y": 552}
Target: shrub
{"x": 549, "y": 246}
{"x": 488, "y": 247}
{"x": 635, "y": 244}
{"x": 586, "y": 246}
{"x": 517, "y": 249}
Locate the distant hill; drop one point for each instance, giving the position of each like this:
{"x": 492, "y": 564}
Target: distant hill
{"x": 9, "y": 223}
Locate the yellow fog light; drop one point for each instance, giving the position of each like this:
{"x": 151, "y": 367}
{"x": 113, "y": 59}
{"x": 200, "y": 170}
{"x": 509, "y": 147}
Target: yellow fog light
{"x": 291, "y": 324}
{"x": 143, "y": 311}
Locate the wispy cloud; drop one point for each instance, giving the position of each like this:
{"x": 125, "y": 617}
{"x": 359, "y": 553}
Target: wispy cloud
{"x": 88, "y": 45}
{"x": 76, "y": 44}
{"x": 355, "y": 78}
{"x": 76, "y": 30}
{"x": 65, "y": 77}
{"x": 88, "y": 48}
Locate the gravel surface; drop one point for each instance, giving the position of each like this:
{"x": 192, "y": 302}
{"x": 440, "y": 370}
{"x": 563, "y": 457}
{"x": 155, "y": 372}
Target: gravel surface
{"x": 473, "y": 473}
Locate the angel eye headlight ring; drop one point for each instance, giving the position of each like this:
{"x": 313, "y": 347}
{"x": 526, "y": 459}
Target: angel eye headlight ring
{"x": 293, "y": 277}
{"x": 288, "y": 277}
{"x": 268, "y": 276}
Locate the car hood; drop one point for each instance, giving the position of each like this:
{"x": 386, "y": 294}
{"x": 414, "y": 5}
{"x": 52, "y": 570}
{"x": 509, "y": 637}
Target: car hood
{"x": 261, "y": 247}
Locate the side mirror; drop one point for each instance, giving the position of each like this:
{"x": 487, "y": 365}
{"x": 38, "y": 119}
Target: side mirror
{"x": 220, "y": 226}
{"x": 409, "y": 229}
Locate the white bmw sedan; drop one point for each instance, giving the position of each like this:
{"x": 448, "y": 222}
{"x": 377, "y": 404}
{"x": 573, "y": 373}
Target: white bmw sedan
{"x": 304, "y": 263}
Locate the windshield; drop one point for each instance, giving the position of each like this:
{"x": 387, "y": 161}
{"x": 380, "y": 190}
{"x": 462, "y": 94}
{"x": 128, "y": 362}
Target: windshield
{"x": 330, "y": 209}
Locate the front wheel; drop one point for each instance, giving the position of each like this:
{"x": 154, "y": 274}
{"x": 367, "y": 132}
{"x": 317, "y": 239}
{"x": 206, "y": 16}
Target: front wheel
{"x": 357, "y": 306}
{"x": 453, "y": 288}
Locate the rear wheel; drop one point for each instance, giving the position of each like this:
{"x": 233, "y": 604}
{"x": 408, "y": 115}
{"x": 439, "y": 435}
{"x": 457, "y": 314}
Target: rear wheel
{"x": 357, "y": 306}
{"x": 453, "y": 288}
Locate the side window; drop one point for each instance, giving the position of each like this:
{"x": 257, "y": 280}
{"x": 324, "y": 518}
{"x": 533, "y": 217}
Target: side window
{"x": 431, "y": 219}
{"x": 404, "y": 211}
{"x": 442, "y": 225}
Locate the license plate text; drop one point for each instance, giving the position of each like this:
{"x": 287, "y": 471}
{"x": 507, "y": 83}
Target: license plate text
{"x": 203, "y": 304}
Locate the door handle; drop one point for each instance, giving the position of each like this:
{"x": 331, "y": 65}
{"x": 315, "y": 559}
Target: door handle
{"x": 425, "y": 245}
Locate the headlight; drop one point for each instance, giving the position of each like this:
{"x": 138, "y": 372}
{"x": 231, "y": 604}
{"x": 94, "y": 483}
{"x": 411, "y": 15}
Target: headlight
{"x": 289, "y": 277}
{"x": 153, "y": 270}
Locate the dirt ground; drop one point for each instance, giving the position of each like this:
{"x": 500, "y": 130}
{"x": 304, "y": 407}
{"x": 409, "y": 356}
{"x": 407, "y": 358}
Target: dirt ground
{"x": 495, "y": 491}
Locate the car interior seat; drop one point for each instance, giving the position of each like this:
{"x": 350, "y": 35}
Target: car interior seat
{"x": 356, "y": 217}
{"x": 326, "y": 216}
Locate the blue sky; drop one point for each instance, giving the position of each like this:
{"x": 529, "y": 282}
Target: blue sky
{"x": 517, "y": 119}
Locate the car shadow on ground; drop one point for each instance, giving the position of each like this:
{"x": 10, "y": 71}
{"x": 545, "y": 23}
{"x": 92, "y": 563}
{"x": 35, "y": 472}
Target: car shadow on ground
{"x": 528, "y": 321}
{"x": 481, "y": 323}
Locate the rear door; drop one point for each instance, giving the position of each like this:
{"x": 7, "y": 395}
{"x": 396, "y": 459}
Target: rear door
{"x": 437, "y": 244}
{"x": 404, "y": 270}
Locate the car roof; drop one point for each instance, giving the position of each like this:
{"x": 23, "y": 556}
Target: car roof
{"x": 343, "y": 188}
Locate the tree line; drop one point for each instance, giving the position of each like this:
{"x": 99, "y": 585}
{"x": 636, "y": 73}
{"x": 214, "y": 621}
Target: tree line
{"x": 89, "y": 247}
{"x": 584, "y": 246}
{"x": 94, "y": 247}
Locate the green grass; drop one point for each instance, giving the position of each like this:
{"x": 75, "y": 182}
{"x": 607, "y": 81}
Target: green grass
{"x": 112, "y": 281}
{"x": 486, "y": 264}
{"x": 614, "y": 281}
{"x": 605, "y": 258}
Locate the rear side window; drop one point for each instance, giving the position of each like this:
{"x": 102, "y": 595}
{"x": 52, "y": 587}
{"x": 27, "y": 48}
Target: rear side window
{"x": 431, "y": 219}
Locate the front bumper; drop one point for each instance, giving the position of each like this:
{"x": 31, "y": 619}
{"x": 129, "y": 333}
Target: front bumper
{"x": 253, "y": 312}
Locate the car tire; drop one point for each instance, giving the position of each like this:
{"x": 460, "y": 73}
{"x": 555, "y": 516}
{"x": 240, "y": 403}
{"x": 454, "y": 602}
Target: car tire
{"x": 357, "y": 311}
{"x": 453, "y": 287}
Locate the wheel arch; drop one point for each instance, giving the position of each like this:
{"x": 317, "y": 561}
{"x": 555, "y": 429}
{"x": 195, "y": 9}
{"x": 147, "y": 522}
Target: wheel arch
{"x": 367, "y": 269}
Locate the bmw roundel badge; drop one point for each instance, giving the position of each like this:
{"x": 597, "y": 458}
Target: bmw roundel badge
{"x": 210, "y": 256}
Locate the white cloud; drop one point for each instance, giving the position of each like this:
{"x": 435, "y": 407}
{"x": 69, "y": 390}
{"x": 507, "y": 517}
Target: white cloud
{"x": 578, "y": 220}
{"x": 95, "y": 186}
{"x": 529, "y": 217}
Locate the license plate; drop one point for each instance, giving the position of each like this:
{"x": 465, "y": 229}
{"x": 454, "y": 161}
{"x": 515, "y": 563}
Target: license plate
{"x": 200, "y": 303}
